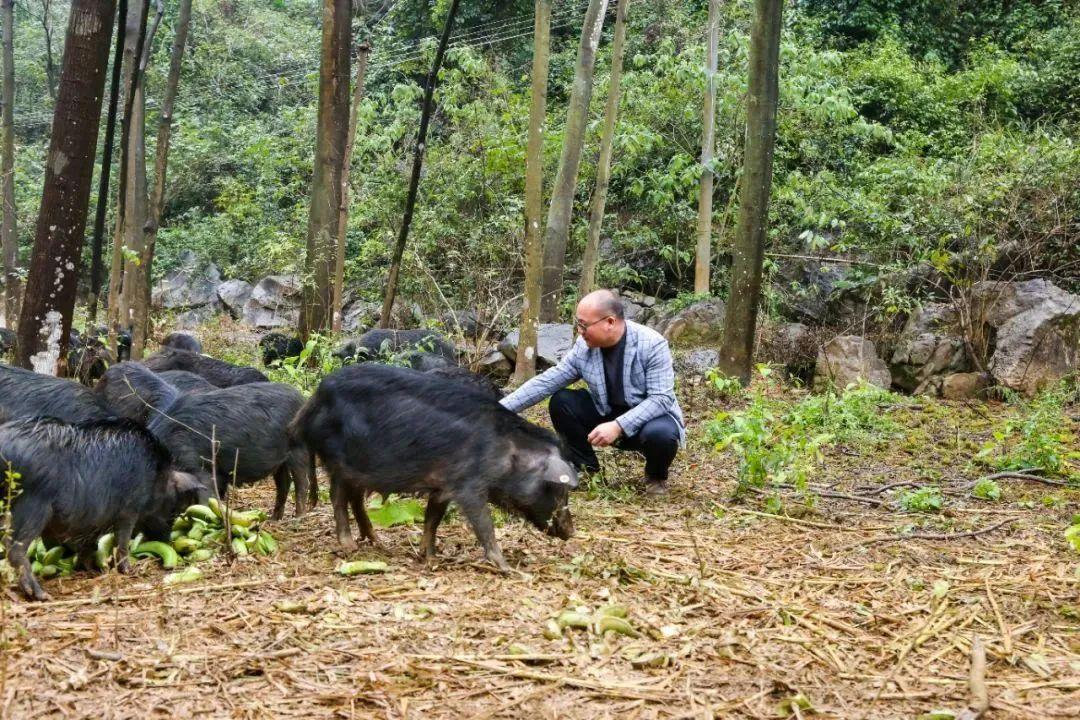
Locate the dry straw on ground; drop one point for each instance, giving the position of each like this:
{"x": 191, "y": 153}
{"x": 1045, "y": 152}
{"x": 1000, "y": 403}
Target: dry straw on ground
{"x": 740, "y": 613}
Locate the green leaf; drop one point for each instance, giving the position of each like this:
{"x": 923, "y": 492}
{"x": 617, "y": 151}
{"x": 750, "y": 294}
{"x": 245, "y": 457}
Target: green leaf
{"x": 404, "y": 511}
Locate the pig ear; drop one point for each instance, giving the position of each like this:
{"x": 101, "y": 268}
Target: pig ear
{"x": 182, "y": 482}
{"x": 564, "y": 476}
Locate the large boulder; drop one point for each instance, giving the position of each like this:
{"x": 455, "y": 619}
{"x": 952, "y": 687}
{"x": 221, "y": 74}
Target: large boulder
{"x": 553, "y": 340}
{"x": 701, "y": 323}
{"x": 233, "y": 294}
{"x": 496, "y": 366}
{"x": 790, "y": 345}
{"x": 360, "y": 316}
{"x": 847, "y": 359}
{"x": 1036, "y": 332}
{"x": 274, "y": 302}
{"x": 464, "y": 322}
{"x": 929, "y": 346}
{"x": 192, "y": 284}
{"x": 964, "y": 386}
{"x": 637, "y": 306}
{"x": 807, "y": 289}
{"x": 193, "y": 318}
{"x": 697, "y": 362}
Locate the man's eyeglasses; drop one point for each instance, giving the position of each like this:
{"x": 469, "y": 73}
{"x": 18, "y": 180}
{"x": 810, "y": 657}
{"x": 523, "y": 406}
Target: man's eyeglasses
{"x": 583, "y": 326}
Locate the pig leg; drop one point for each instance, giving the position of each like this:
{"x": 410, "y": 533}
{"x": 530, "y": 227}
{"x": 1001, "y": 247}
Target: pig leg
{"x": 86, "y": 557}
{"x": 124, "y": 526}
{"x": 28, "y": 520}
{"x": 363, "y": 522}
{"x": 341, "y": 513}
{"x": 282, "y": 482}
{"x": 433, "y": 515}
{"x": 298, "y": 468}
{"x": 478, "y": 515}
{"x": 313, "y": 482}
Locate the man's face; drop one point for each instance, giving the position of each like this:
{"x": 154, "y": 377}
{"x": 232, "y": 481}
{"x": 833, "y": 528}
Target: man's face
{"x": 597, "y": 328}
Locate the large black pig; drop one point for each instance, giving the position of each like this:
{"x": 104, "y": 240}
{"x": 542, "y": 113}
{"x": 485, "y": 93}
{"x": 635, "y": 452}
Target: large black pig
{"x": 217, "y": 372}
{"x": 79, "y": 481}
{"x": 393, "y": 430}
{"x": 25, "y": 394}
{"x": 182, "y": 341}
{"x": 249, "y": 422}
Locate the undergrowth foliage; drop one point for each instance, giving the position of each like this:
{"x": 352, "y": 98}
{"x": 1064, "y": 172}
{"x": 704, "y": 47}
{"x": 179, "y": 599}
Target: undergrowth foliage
{"x": 779, "y": 443}
{"x": 1038, "y": 436}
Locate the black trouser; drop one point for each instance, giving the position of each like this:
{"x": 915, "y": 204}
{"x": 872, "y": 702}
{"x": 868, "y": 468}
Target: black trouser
{"x": 575, "y": 416}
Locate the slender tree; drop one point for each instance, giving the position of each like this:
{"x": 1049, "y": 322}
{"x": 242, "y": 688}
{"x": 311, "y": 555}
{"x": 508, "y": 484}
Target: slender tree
{"x": 525, "y": 367}
{"x": 132, "y": 290}
{"x": 69, "y": 168}
{"x": 50, "y": 63}
{"x": 106, "y": 164}
{"x": 134, "y": 37}
{"x": 362, "y": 54}
{"x": 708, "y": 145}
{"x": 161, "y": 163}
{"x": 737, "y": 348}
{"x": 418, "y": 163}
{"x": 9, "y": 238}
{"x": 591, "y": 257}
{"x": 557, "y": 231}
{"x": 333, "y": 127}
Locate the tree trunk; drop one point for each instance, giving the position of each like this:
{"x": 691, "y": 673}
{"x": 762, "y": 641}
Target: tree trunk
{"x": 50, "y": 64}
{"x": 69, "y": 168}
{"x": 333, "y": 125}
{"x": 346, "y": 165}
{"x": 134, "y": 287}
{"x": 9, "y": 237}
{"x": 587, "y": 282}
{"x": 525, "y": 367}
{"x": 106, "y": 164}
{"x": 737, "y": 348}
{"x": 161, "y": 161}
{"x": 708, "y": 145}
{"x": 557, "y": 232}
{"x": 134, "y": 36}
{"x": 418, "y": 162}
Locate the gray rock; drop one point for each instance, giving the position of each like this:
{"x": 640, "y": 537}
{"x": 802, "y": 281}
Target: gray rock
{"x": 188, "y": 286}
{"x": 360, "y": 316}
{"x": 790, "y": 345}
{"x": 277, "y": 291}
{"x": 698, "y": 362}
{"x": 233, "y": 294}
{"x": 495, "y": 365}
{"x": 699, "y": 324}
{"x": 964, "y": 386}
{"x": 929, "y": 346}
{"x": 807, "y": 290}
{"x": 465, "y": 322}
{"x": 848, "y": 358}
{"x": 553, "y": 340}
{"x": 1037, "y": 332}
{"x": 195, "y": 317}
{"x": 274, "y": 302}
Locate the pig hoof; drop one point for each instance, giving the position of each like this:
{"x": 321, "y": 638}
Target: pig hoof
{"x": 348, "y": 545}
{"x": 37, "y": 594}
{"x": 502, "y": 565}
{"x": 124, "y": 567}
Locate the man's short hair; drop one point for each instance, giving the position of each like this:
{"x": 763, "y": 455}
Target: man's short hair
{"x": 611, "y": 304}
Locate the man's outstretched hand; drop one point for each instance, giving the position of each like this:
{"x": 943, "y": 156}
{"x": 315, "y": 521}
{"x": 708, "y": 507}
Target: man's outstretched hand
{"x": 605, "y": 434}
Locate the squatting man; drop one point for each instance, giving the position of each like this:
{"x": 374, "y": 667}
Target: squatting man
{"x": 630, "y": 401}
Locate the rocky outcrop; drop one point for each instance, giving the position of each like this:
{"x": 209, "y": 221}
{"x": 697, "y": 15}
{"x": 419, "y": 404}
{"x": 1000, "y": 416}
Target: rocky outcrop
{"x": 553, "y": 340}
{"x": 847, "y": 359}
{"x": 929, "y": 347}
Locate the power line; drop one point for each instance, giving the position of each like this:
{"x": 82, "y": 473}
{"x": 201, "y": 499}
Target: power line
{"x": 397, "y": 54}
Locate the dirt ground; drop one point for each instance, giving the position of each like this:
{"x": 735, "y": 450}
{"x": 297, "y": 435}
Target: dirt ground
{"x": 738, "y": 612}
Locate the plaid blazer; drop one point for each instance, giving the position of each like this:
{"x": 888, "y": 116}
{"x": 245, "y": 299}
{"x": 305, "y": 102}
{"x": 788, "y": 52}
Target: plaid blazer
{"x": 648, "y": 380}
